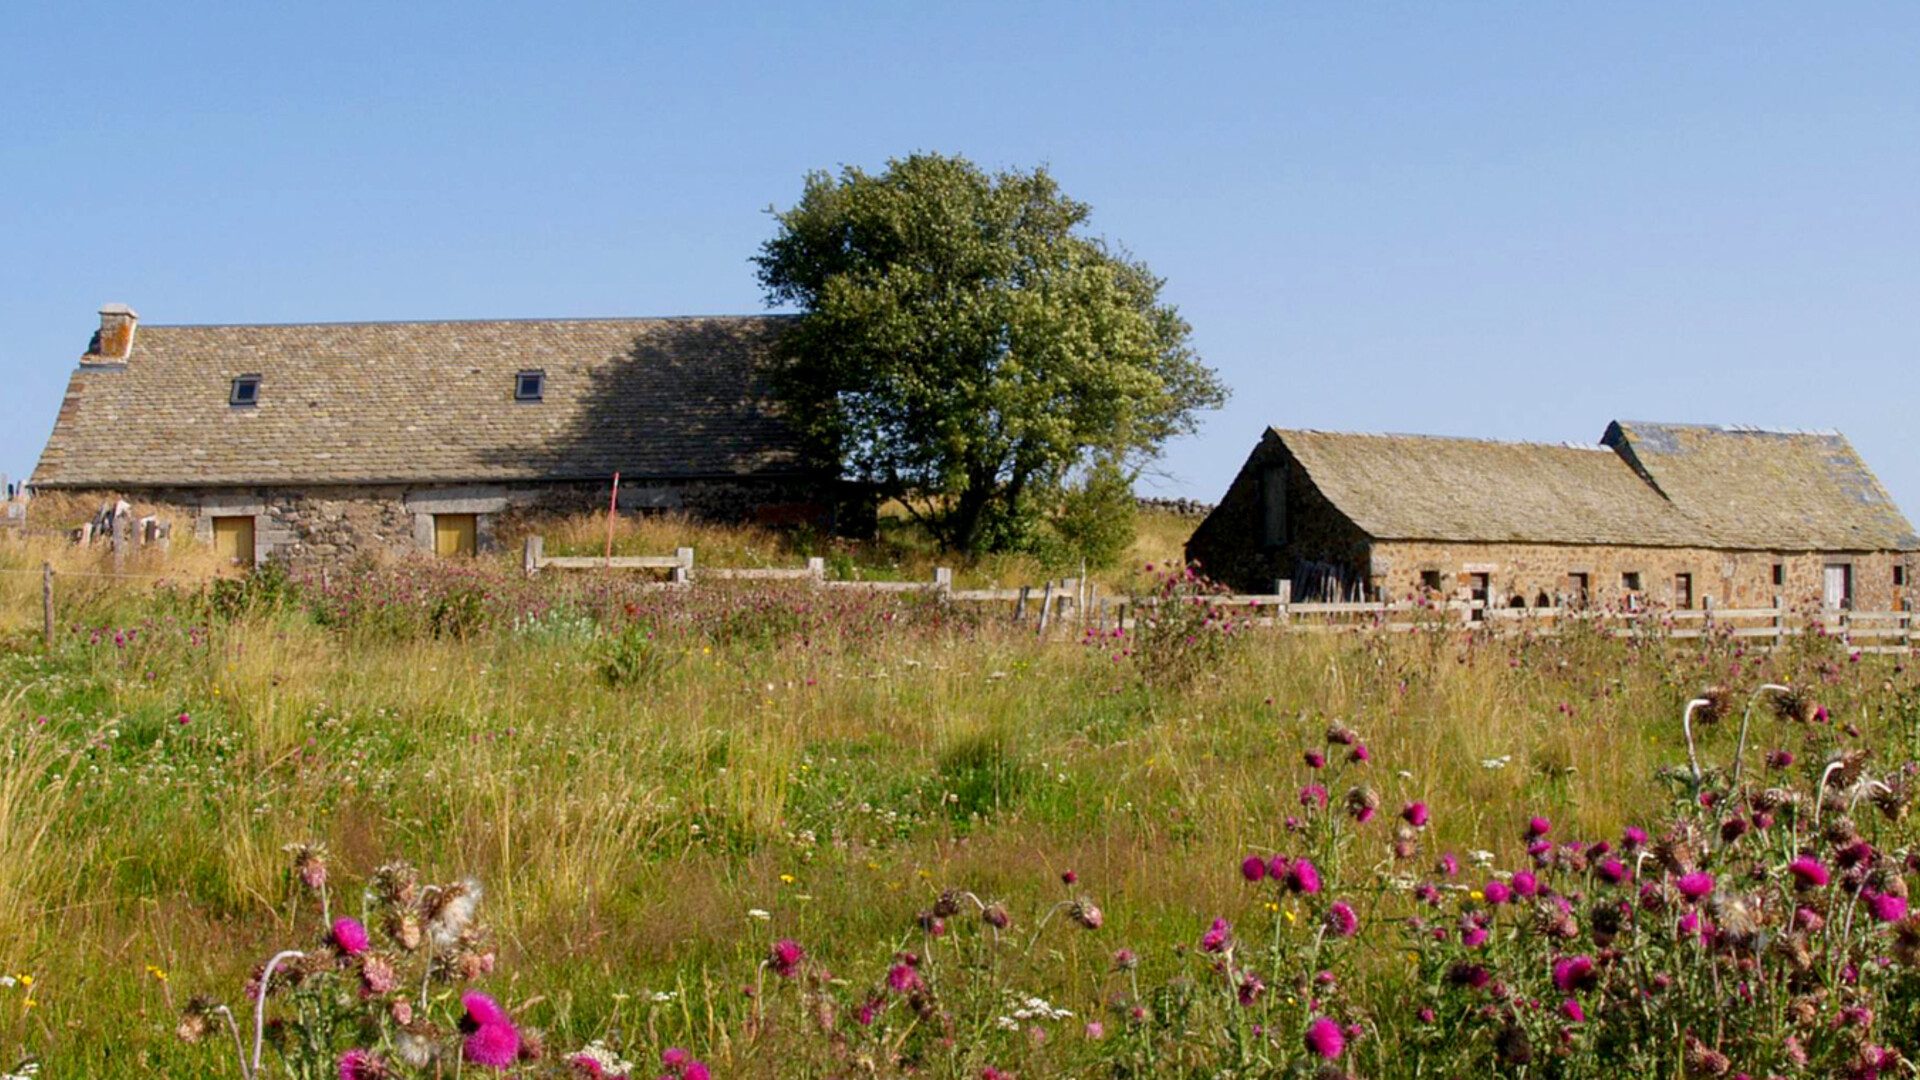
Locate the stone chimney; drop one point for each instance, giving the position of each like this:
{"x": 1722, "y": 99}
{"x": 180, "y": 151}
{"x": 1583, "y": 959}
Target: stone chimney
{"x": 113, "y": 342}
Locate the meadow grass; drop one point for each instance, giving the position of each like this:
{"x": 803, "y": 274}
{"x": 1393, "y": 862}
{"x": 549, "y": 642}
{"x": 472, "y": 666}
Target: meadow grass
{"x": 653, "y": 791}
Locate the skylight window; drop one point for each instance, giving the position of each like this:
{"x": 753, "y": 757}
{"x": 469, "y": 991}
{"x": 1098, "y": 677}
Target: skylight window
{"x": 246, "y": 390}
{"x": 529, "y": 386}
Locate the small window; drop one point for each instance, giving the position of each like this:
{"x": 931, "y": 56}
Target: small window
{"x": 1683, "y": 591}
{"x": 1779, "y": 574}
{"x": 1630, "y": 581}
{"x": 1899, "y": 574}
{"x": 1430, "y": 580}
{"x": 1577, "y": 588}
{"x": 1273, "y": 505}
{"x": 529, "y": 385}
{"x": 246, "y": 391}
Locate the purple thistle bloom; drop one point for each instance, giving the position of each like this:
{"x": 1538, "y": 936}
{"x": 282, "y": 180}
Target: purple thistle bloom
{"x": 360, "y": 1065}
{"x": 1470, "y": 975}
{"x": 1473, "y": 935}
{"x": 1277, "y": 867}
{"x": 1358, "y": 755}
{"x": 1302, "y": 877}
{"x": 785, "y": 958}
{"x": 1538, "y": 827}
{"x": 1695, "y": 885}
{"x": 1216, "y": 937}
{"x": 1315, "y": 759}
{"x": 1253, "y": 868}
{"x": 349, "y": 936}
{"x": 1325, "y": 1039}
{"x": 1807, "y": 872}
{"x": 494, "y": 1045}
{"x": 1634, "y": 838}
{"x": 1342, "y": 921}
{"x": 1780, "y": 759}
{"x": 1571, "y": 1010}
{"x": 1313, "y": 795}
{"x": 901, "y": 979}
{"x": 1415, "y": 814}
{"x": 1525, "y": 883}
{"x": 1572, "y": 973}
{"x": 1496, "y": 892}
{"x": 1613, "y": 871}
{"x": 1449, "y": 866}
{"x": 1887, "y": 907}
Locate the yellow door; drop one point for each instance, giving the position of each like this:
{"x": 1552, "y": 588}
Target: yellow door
{"x": 453, "y": 534}
{"x": 233, "y": 540}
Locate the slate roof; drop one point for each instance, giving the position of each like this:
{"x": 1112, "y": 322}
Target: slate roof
{"x": 1422, "y": 487}
{"x": 1768, "y": 490}
{"x": 426, "y": 402}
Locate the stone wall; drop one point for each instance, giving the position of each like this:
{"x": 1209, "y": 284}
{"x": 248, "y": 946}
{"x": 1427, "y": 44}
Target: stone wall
{"x": 1231, "y": 545}
{"x": 343, "y": 523}
{"x": 1739, "y": 579}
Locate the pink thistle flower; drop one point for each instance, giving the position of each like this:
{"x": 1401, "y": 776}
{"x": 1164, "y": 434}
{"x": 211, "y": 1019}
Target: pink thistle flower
{"x": 1571, "y": 1010}
{"x": 1695, "y": 885}
{"x": 1313, "y": 795}
{"x": 1496, "y": 892}
{"x": 1303, "y": 877}
{"x": 586, "y": 1066}
{"x": 1469, "y": 975}
{"x": 1807, "y": 873}
{"x": 675, "y": 1058}
{"x": 1415, "y": 814}
{"x": 902, "y": 979}
{"x": 1358, "y": 755}
{"x": 1325, "y": 1039}
{"x": 1449, "y": 866}
{"x": 1216, "y": 937}
{"x": 1473, "y": 935}
{"x": 1096, "y": 1030}
{"x": 1251, "y": 987}
{"x": 1538, "y": 827}
{"x": 349, "y": 936}
{"x": 696, "y": 1070}
{"x": 494, "y": 1045}
{"x": 1571, "y": 973}
{"x": 1427, "y": 893}
{"x": 1277, "y": 867}
{"x": 1780, "y": 759}
{"x": 1690, "y": 924}
{"x": 1068, "y": 877}
{"x": 1314, "y": 759}
{"x": 482, "y": 1010}
{"x": 1613, "y": 871}
{"x": 1526, "y": 884}
{"x": 785, "y": 958}
{"x": 360, "y": 1065}
{"x": 1887, "y": 907}
{"x": 870, "y": 1009}
{"x": 1253, "y": 868}
{"x": 1342, "y": 921}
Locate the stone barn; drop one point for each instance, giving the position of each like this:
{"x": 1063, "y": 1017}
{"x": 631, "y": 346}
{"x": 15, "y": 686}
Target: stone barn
{"x": 322, "y": 442}
{"x": 1657, "y": 514}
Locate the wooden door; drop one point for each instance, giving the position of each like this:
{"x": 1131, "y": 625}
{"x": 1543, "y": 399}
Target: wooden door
{"x": 1839, "y": 591}
{"x": 233, "y": 540}
{"x": 454, "y": 534}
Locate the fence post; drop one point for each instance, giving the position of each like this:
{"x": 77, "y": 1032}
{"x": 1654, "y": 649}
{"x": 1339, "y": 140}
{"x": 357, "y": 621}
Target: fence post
{"x": 530, "y": 558}
{"x": 1284, "y": 590}
{"x": 1046, "y": 605}
{"x": 1779, "y": 622}
{"x": 817, "y": 567}
{"x": 119, "y": 542}
{"x": 684, "y": 572}
{"x": 1020, "y": 605}
{"x": 46, "y": 602}
{"x": 943, "y": 579}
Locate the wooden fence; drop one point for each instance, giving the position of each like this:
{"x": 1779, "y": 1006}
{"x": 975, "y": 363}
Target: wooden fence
{"x": 1076, "y": 602}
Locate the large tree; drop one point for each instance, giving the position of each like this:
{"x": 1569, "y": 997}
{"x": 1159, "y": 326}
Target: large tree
{"x": 965, "y": 347}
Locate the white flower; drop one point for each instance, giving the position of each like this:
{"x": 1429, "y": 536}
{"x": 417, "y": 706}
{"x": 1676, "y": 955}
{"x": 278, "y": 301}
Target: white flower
{"x": 1500, "y": 762}
{"x": 609, "y": 1062}
{"x": 756, "y": 913}
{"x": 1007, "y": 1023}
{"x": 1481, "y": 858}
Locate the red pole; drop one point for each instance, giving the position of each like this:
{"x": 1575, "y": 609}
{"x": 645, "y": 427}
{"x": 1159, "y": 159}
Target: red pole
{"x": 613, "y": 506}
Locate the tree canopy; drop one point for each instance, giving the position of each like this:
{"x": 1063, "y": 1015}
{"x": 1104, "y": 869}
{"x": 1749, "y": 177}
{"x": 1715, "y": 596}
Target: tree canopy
{"x": 964, "y": 347}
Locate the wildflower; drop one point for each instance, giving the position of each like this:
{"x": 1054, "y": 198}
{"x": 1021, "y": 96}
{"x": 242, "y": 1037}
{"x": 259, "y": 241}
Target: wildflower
{"x": 902, "y": 979}
{"x": 1341, "y": 736}
{"x": 1779, "y": 759}
{"x": 1695, "y": 885}
{"x": 1886, "y": 907}
{"x": 1634, "y": 838}
{"x": 1415, "y": 814}
{"x": 1068, "y": 877}
{"x": 1302, "y": 877}
{"x": 1807, "y": 873}
{"x": 1362, "y": 802}
{"x": 1313, "y": 795}
{"x": 1086, "y": 914}
{"x": 1449, "y": 866}
{"x": 1315, "y": 759}
{"x": 195, "y": 1020}
{"x": 1496, "y": 892}
{"x": 1538, "y": 827}
{"x": 1572, "y": 1011}
{"x": 996, "y": 916}
{"x": 1358, "y": 755}
{"x": 1571, "y": 973}
{"x": 1468, "y": 975}
{"x": 785, "y": 958}
{"x": 1250, "y": 989}
{"x": 1525, "y": 883}
{"x": 1216, "y": 938}
{"x": 309, "y": 864}
{"x": 1253, "y": 868}
{"x": 1325, "y": 1039}
{"x": 1125, "y": 960}
{"x": 494, "y": 1045}
{"x": 1341, "y": 919}
{"x": 360, "y": 1065}
{"x": 349, "y": 936}
{"x": 450, "y": 911}
{"x": 1613, "y": 871}
{"x": 1096, "y": 1030}
{"x": 377, "y": 975}
{"x": 1703, "y": 1060}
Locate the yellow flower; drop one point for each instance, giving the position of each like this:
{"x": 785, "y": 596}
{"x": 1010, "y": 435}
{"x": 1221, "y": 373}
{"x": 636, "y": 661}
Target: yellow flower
{"x": 1271, "y": 906}
{"x": 157, "y": 972}
{"x": 26, "y": 981}
{"x": 871, "y": 865}
{"x": 1477, "y": 895}
{"x": 787, "y": 879}
{"x": 1291, "y": 917}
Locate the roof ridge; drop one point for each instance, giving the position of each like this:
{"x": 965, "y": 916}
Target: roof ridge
{"x": 475, "y": 322}
{"x": 1446, "y": 438}
{"x": 1736, "y": 429}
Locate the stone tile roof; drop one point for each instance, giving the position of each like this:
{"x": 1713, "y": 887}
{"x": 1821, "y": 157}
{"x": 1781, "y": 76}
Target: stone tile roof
{"x": 1767, "y": 490}
{"x": 425, "y": 401}
{"x": 1420, "y": 487}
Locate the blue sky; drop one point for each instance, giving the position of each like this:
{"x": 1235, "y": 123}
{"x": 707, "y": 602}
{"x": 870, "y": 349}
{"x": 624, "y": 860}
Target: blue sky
{"x": 1506, "y": 220}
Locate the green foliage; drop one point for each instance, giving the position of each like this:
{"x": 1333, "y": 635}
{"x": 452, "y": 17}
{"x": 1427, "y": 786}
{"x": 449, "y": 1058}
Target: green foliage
{"x": 266, "y": 588}
{"x": 631, "y": 658}
{"x": 966, "y": 348}
{"x": 980, "y": 775}
{"x": 1097, "y": 518}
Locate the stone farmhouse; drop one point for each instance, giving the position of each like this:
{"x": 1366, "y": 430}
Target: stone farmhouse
{"x": 1677, "y": 515}
{"x": 327, "y": 442}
